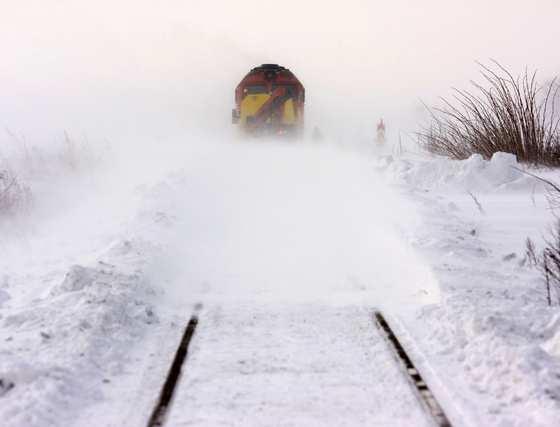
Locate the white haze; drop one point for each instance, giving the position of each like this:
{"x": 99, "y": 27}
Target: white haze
{"x": 144, "y": 70}
{"x": 156, "y": 81}
{"x": 281, "y": 222}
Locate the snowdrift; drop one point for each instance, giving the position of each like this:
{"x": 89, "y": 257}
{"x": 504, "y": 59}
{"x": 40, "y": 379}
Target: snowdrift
{"x": 502, "y": 173}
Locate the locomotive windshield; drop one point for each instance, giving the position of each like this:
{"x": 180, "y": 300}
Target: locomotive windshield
{"x": 255, "y": 89}
{"x": 289, "y": 88}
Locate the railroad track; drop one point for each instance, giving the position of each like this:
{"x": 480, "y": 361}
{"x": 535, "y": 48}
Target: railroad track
{"x": 422, "y": 391}
{"x": 419, "y": 387}
{"x": 160, "y": 411}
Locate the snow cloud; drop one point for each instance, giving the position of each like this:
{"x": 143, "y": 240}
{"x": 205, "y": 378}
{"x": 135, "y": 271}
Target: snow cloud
{"x": 286, "y": 222}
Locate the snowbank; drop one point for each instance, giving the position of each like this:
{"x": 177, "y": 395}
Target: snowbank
{"x": 493, "y": 342}
{"x": 60, "y": 350}
{"x": 501, "y": 173}
{"x": 77, "y": 298}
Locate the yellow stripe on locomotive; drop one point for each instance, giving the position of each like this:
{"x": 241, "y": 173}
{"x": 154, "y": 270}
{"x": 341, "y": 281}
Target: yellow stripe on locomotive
{"x": 250, "y": 105}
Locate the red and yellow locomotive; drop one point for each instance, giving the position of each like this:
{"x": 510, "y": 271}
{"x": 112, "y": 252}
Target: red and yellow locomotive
{"x": 269, "y": 101}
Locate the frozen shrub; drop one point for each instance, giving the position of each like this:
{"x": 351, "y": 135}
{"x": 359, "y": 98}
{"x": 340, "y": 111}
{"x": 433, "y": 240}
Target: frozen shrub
{"x": 548, "y": 261}
{"x": 14, "y": 195}
{"x": 551, "y": 260}
{"x": 68, "y": 155}
{"x": 505, "y": 114}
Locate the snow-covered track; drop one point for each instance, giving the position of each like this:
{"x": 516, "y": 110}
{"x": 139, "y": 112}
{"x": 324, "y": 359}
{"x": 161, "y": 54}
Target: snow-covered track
{"x": 158, "y": 415}
{"x": 424, "y": 393}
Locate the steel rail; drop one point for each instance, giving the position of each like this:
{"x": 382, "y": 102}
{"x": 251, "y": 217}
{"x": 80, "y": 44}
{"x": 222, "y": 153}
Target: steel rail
{"x": 157, "y": 418}
{"x": 424, "y": 394}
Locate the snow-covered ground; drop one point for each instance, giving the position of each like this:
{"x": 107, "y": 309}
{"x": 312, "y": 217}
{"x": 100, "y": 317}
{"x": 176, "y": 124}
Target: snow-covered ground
{"x": 493, "y": 342}
{"x": 292, "y": 364}
{"x": 289, "y": 248}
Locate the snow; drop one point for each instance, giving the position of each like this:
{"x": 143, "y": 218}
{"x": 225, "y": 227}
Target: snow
{"x": 290, "y": 248}
{"x": 315, "y": 365}
{"x": 294, "y": 223}
{"x": 500, "y": 173}
{"x": 491, "y": 341}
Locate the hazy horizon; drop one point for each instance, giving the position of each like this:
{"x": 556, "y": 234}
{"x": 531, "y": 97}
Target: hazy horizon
{"x": 132, "y": 69}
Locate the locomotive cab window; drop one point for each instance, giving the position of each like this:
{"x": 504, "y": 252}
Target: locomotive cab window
{"x": 252, "y": 90}
{"x": 289, "y": 88}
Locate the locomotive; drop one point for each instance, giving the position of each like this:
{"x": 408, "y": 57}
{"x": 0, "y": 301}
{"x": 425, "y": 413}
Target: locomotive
{"x": 269, "y": 101}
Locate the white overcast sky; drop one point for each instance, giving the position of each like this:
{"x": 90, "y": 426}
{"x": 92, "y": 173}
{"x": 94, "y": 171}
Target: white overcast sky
{"x": 114, "y": 68}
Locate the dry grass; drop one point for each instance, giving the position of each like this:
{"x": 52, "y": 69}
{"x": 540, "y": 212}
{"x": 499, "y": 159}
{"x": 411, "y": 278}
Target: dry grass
{"x": 14, "y": 196}
{"x": 504, "y": 114}
{"x": 22, "y": 165}
{"x": 548, "y": 260}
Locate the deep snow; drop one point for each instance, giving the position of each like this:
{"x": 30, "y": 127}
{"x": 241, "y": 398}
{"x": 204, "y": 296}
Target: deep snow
{"x": 289, "y": 248}
{"x": 493, "y": 340}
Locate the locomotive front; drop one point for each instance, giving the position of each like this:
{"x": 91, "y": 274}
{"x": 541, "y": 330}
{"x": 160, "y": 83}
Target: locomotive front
{"x": 269, "y": 101}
